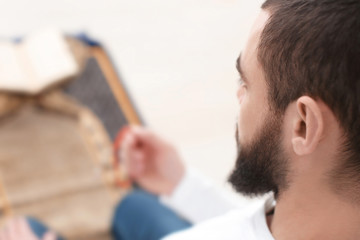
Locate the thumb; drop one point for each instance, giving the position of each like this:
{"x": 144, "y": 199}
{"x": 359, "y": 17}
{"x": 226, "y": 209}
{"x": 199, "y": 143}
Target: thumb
{"x": 145, "y": 136}
{"x": 49, "y": 236}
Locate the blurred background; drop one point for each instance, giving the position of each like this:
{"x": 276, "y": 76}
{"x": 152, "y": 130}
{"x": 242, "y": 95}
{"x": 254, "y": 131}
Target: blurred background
{"x": 177, "y": 59}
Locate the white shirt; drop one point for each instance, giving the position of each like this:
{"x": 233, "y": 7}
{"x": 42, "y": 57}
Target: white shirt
{"x": 215, "y": 216}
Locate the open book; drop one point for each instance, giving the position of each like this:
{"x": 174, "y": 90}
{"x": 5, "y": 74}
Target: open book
{"x": 56, "y": 153}
{"x": 40, "y": 60}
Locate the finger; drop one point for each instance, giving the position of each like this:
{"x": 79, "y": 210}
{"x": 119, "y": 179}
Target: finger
{"x": 24, "y": 229}
{"x": 145, "y": 136}
{"x": 127, "y": 142}
{"x": 5, "y": 234}
{"x": 2, "y": 234}
{"x": 125, "y": 150}
{"x": 22, "y": 225}
{"x": 130, "y": 138}
{"x": 130, "y": 148}
{"x": 137, "y": 164}
{"x": 5, "y": 231}
{"x": 133, "y": 156}
{"x": 9, "y": 230}
{"x": 49, "y": 236}
{"x": 14, "y": 228}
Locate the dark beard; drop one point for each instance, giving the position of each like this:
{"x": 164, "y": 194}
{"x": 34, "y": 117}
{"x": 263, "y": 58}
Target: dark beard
{"x": 261, "y": 166}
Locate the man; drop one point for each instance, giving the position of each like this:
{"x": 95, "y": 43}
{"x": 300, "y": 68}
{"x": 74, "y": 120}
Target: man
{"x": 298, "y": 128}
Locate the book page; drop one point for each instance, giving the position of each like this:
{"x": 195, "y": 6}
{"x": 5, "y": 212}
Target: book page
{"x": 12, "y": 75}
{"x": 49, "y": 58}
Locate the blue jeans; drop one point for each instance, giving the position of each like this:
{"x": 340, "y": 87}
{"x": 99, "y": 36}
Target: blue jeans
{"x": 139, "y": 216}
{"x": 38, "y": 228}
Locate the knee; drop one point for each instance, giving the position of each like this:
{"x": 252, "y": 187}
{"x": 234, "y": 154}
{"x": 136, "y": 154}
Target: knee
{"x": 130, "y": 212}
{"x": 132, "y": 207}
{"x": 133, "y": 204}
{"x": 141, "y": 214}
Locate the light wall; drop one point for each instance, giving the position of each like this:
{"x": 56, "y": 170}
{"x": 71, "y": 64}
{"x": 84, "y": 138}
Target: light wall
{"x": 177, "y": 58}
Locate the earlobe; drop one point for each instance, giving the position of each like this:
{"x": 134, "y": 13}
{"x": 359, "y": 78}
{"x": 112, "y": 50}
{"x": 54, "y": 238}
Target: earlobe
{"x": 308, "y": 126}
{"x": 298, "y": 143}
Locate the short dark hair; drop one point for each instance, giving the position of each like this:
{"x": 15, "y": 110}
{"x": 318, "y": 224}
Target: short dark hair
{"x": 312, "y": 47}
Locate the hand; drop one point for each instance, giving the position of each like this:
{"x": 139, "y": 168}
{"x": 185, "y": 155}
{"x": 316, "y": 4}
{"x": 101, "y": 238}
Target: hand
{"x": 19, "y": 229}
{"x": 151, "y": 162}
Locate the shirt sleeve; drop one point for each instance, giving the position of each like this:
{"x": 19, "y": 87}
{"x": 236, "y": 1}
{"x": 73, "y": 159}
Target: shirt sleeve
{"x": 197, "y": 199}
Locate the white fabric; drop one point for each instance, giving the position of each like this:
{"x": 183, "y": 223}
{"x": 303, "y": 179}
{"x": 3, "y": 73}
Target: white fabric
{"x": 197, "y": 200}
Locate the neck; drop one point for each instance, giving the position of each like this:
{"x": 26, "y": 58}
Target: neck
{"x": 314, "y": 214}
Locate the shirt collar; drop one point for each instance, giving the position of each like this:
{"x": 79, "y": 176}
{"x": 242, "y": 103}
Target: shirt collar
{"x": 262, "y": 230}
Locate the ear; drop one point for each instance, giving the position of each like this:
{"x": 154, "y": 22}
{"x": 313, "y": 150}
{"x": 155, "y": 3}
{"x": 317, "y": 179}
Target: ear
{"x": 308, "y": 126}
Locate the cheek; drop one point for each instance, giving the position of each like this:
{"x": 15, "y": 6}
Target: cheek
{"x": 250, "y": 116}
{"x": 243, "y": 124}
{"x": 241, "y": 94}
{"x": 244, "y": 116}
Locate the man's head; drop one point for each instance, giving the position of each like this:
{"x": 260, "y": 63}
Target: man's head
{"x": 300, "y": 101}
